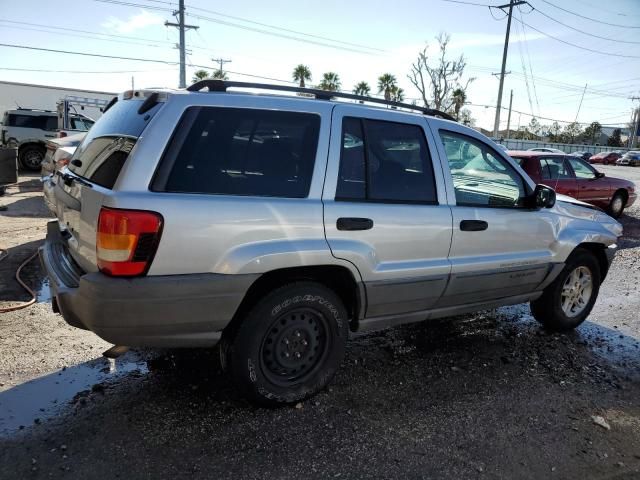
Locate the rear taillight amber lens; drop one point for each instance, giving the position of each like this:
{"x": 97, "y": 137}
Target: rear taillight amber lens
{"x": 126, "y": 241}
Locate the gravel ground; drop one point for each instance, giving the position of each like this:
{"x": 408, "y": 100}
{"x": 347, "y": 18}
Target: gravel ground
{"x": 489, "y": 395}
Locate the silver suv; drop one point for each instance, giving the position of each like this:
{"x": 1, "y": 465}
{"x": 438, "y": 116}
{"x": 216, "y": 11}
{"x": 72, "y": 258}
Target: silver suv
{"x": 276, "y": 225}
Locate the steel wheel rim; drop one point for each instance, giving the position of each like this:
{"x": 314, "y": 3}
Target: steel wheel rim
{"x": 576, "y": 291}
{"x": 33, "y": 159}
{"x": 294, "y": 347}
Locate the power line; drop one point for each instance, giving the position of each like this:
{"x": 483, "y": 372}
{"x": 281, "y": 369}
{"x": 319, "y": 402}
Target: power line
{"x": 275, "y": 27}
{"x": 589, "y": 18}
{"x": 80, "y": 71}
{"x": 583, "y": 32}
{"x": 475, "y": 4}
{"x": 133, "y": 4}
{"x": 276, "y": 34}
{"x": 578, "y": 46}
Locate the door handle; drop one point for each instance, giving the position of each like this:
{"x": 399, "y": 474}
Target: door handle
{"x": 473, "y": 225}
{"x": 354, "y": 223}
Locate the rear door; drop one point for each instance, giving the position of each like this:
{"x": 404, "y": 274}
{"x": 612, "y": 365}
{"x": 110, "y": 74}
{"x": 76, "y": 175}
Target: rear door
{"x": 556, "y": 173}
{"x": 592, "y": 188}
{"x": 500, "y": 248}
{"x": 385, "y": 208}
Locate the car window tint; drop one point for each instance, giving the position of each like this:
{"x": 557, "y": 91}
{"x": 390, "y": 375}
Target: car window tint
{"x": 554, "y": 168}
{"x": 480, "y": 176}
{"x": 51, "y": 124}
{"x": 28, "y": 121}
{"x": 399, "y": 166}
{"x": 247, "y": 152}
{"x": 581, "y": 168}
{"x": 351, "y": 183}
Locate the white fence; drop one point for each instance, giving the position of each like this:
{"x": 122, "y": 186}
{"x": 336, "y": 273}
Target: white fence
{"x": 513, "y": 144}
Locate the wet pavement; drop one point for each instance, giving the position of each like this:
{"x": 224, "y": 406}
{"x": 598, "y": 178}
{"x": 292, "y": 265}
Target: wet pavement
{"x": 488, "y": 395}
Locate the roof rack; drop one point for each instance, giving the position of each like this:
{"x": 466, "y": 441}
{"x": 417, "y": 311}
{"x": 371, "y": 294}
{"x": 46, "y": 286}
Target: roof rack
{"x": 215, "y": 85}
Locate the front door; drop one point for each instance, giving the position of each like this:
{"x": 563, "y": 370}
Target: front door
{"x": 592, "y": 186}
{"x": 385, "y": 209}
{"x": 500, "y": 248}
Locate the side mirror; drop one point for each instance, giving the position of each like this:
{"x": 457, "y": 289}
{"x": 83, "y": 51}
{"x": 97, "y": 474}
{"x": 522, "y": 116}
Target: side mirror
{"x": 600, "y": 175}
{"x": 544, "y": 196}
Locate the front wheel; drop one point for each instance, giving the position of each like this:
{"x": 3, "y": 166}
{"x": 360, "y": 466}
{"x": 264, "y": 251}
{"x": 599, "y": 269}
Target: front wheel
{"x": 289, "y": 346}
{"x": 31, "y": 157}
{"x": 568, "y": 301}
{"x": 616, "y": 206}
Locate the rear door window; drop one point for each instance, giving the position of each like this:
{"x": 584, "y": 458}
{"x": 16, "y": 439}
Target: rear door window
{"x": 384, "y": 162}
{"x": 251, "y": 152}
{"x": 554, "y": 168}
{"x": 29, "y": 121}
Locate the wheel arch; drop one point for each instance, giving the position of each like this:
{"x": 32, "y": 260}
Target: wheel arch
{"x": 338, "y": 278}
{"x": 599, "y": 251}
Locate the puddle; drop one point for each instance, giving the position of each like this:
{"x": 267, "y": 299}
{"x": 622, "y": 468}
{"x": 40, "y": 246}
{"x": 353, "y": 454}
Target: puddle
{"x": 43, "y": 397}
{"x": 43, "y": 292}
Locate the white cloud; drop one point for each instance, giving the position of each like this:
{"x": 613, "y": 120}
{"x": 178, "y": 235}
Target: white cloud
{"x": 134, "y": 22}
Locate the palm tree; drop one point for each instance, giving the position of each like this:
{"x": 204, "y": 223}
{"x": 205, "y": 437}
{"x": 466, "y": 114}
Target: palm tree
{"x": 330, "y": 81}
{"x": 397, "y": 94}
{"x": 459, "y": 99}
{"x": 200, "y": 75}
{"x": 386, "y": 83}
{"x": 362, "y": 88}
{"x": 220, "y": 75}
{"x": 301, "y": 74}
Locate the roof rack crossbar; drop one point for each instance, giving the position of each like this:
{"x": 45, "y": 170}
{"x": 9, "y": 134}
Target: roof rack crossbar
{"x": 215, "y": 85}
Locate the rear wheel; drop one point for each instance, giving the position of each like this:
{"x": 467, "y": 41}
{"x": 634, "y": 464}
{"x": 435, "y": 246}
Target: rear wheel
{"x": 567, "y": 302}
{"x": 617, "y": 204}
{"x": 31, "y": 157}
{"x": 289, "y": 346}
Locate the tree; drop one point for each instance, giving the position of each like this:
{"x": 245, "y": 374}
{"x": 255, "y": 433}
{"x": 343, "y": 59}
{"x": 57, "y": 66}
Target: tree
{"x": 330, "y": 81}
{"x": 397, "y": 94}
{"x": 534, "y": 127}
{"x": 302, "y": 74}
{"x": 200, "y": 75}
{"x": 437, "y": 83}
{"x": 220, "y": 75}
{"x": 554, "y": 132}
{"x": 615, "y": 139}
{"x": 571, "y": 132}
{"x": 386, "y": 84}
{"x": 362, "y": 88}
{"x": 459, "y": 97}
{"x": 466, "y": 118}
{"x": 592, "y": 132}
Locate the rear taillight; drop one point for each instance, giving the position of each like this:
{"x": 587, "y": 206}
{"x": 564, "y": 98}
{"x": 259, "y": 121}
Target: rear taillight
{"x": 126, "y": 241}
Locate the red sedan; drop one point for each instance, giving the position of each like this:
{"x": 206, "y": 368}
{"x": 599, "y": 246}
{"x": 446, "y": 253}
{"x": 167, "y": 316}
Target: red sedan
{"x": 574, "y": 177}
{"x": 605, "y": 158}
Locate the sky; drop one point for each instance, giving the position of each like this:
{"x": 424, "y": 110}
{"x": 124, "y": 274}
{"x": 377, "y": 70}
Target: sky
{"x": 359, "y": 40}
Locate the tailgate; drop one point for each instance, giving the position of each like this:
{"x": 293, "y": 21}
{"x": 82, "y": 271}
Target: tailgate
{"x": 82, "y": 187}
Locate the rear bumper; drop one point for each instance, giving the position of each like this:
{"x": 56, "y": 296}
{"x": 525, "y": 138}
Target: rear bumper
{"x": 157, "y": 311}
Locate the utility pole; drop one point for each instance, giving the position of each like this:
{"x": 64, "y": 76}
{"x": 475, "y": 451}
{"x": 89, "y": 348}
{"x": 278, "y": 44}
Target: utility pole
{"x": 580, "y": 105}
{"x": 509, "y": 117}
{"x": 182, "y": 28}
{"x": 512, "y": 3}
{"x": 221, "y": 62}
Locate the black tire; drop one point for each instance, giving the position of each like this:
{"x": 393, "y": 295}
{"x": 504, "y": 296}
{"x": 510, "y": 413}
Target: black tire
{"x": 616, "y": 205}
{"x": 289, "y": 346}
{"x": 548, "y": 308}
{"x": 31, "y": 157}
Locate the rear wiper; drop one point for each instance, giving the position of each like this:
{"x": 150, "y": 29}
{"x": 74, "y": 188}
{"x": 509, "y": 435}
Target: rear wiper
{"x": 69, "y": 179}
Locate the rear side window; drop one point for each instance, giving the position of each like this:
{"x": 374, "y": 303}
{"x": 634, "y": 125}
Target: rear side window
{"x": 236, "y": 151}
{"x": 102, "y": 153}
{"x": 384, "y": 162}
{"x": 554, "y": 168}
{"x": 40, "y": 122}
